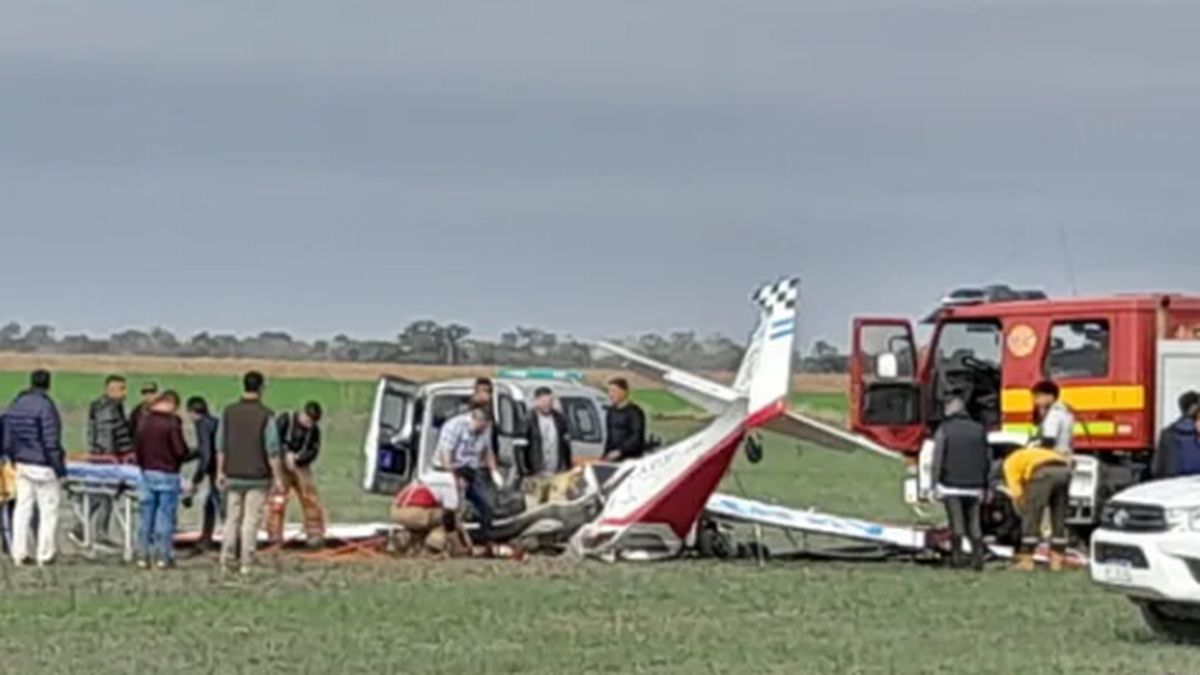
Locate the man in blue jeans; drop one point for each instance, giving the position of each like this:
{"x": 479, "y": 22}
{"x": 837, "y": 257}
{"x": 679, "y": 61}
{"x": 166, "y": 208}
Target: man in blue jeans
{"x": 161, "y": 451}
{"x": 465, "y": 445}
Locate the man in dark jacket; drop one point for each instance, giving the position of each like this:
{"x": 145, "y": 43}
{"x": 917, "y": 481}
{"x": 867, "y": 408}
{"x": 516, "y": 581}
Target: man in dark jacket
{"x": 247, "y": 467}
{"x": 160, "y": 452}
{"x": 548, "y": 450}
{"x": 108, "y": 429}
{"x": 626, "y": 424}
{"x": 32, "y": 438}
{"x": 149, "y": 393}
{"x": 300, "y": 441}
{"x": 109, "y": 435}
{"x": 962, "y": 463}
{"x": 206, "y": 467}
{"x": 1178, "y": 452}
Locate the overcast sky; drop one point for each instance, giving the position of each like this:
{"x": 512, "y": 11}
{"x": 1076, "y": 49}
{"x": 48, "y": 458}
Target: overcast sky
{"x": 597, "y": 168}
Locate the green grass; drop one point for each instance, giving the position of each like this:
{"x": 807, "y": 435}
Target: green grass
{"x": 549, "y": 616}
{"x": 73, "y": 391}
{"x": 820, "y": 402}
{"x": 663, "y": 403}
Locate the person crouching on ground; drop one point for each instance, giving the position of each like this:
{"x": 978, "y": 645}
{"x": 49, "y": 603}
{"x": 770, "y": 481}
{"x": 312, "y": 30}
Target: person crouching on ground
{"x": 300, "y": 441}
{"x": 32, "y": 441}
{"x": 247, "y": 466}
{"x": 160, "y": 450}
{"x": 1039, "y": 480}
{"x": 465, "y": 446}
{"x": 962, "y": 462}
{"x": 418, "y": 511}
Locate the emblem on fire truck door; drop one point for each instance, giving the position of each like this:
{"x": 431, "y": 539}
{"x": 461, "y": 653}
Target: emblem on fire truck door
{"x": 1022, "y": 340}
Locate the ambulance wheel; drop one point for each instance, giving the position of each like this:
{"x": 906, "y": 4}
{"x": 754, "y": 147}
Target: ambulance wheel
{"x": 754, "y": 450}
{"x": 715, "y": 544}
{"x": 1172, "y": 622}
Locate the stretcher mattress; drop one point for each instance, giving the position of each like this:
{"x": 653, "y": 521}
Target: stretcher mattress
{"x": 123, "y": 475}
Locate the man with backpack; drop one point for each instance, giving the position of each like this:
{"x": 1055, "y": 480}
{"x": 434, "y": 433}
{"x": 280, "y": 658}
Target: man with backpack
{"x": 300, "y": 443}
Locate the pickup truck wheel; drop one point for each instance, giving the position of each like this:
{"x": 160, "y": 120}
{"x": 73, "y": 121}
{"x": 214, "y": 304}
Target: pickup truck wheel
{"x": 1177, "y": 623}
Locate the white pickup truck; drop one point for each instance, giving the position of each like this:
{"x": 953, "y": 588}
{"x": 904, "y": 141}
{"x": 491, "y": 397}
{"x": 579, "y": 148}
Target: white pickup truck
{"x": 1148, "y": 544}
{"x": 1148, "y": 548}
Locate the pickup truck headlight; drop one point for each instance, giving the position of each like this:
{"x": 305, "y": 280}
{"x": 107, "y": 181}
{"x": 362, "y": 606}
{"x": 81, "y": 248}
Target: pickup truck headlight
{"x": 1184, "y": 520}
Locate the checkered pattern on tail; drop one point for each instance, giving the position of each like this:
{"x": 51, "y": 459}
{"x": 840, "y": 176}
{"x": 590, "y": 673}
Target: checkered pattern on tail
{"x": 782, "y": 294}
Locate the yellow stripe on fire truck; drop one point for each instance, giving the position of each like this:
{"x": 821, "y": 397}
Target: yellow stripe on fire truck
{"x": 1081, "y": 399}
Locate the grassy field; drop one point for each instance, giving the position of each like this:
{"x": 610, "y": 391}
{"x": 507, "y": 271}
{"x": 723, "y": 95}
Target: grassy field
{"x": 548, "y": 616}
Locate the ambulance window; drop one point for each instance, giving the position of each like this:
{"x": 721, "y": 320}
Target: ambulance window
{"x": 509, "y": 418}
{"x": 582, "y": 419}
{"x": 1078, "y": 349}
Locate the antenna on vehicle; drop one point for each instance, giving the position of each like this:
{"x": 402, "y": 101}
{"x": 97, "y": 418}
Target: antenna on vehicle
{"x": 1066, "y": 250}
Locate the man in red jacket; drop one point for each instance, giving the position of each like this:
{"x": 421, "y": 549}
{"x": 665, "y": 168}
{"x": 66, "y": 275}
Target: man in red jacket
{"x": 161, "y": 451}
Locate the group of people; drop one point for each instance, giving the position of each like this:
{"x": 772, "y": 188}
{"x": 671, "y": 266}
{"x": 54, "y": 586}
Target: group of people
{"x": 249, "y": 461}
{"x": 1037, "y": 478}
{"x": 467, "y": 446}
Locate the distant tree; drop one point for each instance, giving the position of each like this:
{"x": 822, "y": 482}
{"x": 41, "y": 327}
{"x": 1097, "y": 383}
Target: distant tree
{"x": 132, "y": 342}
{"x": 424, "y": 341}
{"x": 165, "y": 341}
{"x": 455, "y": 333}
{"x": 39, "y": 338}
{"x": 822, "y": 349}
{"x": 10, "y": 335}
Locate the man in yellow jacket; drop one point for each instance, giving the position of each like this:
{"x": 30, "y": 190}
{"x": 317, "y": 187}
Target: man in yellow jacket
{"x": 1039, "y": 479}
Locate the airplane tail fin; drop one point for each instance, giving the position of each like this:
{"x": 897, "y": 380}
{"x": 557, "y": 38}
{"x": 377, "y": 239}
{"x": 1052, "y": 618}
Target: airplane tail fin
{"x": 765, "y": 376}
{"x": 653, "y": 503}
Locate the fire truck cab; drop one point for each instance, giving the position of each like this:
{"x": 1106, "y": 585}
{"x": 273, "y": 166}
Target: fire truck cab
{"x": 995, "y": 344}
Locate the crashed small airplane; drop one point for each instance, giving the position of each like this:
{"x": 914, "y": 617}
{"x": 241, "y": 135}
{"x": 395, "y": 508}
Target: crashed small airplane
{"x": 655, "y": 508}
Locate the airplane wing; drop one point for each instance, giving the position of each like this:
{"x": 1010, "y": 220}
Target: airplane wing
{"x": 714, "y": 398}
{"x": 737, "y": 509}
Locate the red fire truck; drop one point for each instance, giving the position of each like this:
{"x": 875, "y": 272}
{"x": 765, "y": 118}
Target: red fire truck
{"x": 1108, "y": 354}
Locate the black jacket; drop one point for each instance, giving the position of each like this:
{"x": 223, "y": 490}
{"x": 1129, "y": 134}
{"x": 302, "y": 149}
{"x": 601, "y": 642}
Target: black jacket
{"x": 108, "y": 431}
{"x": 626, "y": 427}
{"x": 533, "y": 460}
{"x": 305, "y": 444}
{"x": 962, "y": 457}
{"x": 206, "y": 449}
{"x": 32, "y": 432}
{"x": 1177, "y": 453}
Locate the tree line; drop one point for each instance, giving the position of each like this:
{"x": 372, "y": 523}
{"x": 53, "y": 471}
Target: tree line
{"x": 421, "y": 342}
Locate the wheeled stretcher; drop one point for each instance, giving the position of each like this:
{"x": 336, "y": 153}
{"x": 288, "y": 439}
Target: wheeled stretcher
{"x": 86, "y": 484}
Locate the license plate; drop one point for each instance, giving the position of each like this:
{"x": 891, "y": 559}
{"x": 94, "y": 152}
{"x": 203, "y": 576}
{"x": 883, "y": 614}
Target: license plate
{"x": 1120, "y": 575}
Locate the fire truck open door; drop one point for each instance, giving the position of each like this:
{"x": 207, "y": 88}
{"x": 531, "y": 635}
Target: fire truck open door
{"x": 885, "y": 391}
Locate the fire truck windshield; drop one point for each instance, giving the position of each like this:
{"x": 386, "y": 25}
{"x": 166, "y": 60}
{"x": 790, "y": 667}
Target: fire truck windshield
{"x": 968, "y": 357}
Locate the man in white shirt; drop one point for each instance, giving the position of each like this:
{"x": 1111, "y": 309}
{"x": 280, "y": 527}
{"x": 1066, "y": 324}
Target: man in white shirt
{"x": 465, "y": 446}
{"x": 1056, "y": 422}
